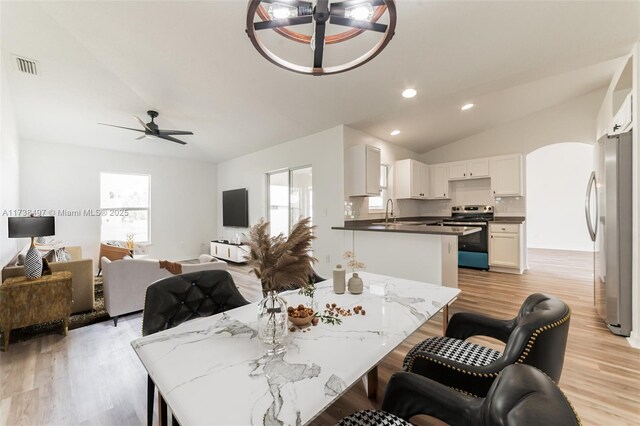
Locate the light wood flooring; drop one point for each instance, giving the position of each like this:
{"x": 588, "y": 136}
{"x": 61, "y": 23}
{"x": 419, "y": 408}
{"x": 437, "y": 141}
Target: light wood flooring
{"x": 93, "y": 377}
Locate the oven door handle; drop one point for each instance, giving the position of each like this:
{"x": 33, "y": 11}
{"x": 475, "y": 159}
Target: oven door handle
{"x": 465, "y": 223}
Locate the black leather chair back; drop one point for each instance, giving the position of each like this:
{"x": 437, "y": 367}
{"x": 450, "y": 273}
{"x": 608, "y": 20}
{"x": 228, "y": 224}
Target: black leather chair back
{"x": 171, "y": 301}
{"x": 523, "y": 395}
{"x": 539, "y": 334}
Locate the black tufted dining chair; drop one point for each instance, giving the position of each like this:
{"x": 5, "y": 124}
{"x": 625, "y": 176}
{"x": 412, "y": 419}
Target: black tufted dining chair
{"x": 171, "y": 301}
{"x": 520, "y": 395}
{"x": 314, "y": 278}
{"x": 536, "y": 336}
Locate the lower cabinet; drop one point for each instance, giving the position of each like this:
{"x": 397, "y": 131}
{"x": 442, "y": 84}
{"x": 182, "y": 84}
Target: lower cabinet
{"x": 232, "y": 252}
{"x": 506, "y": 248}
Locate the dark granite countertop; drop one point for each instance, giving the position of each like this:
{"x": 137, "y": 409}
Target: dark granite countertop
{"x": 411, "y": 229}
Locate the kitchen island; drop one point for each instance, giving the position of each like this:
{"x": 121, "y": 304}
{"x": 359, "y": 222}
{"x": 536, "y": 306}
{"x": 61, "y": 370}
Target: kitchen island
{"x": 410, "y": 249}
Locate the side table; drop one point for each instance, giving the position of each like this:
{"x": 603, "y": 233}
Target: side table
{"x": 25, "y": 302}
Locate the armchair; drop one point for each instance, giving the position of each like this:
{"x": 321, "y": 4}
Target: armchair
{"x": 520, "y": 395}
{"x": 536, "y": 336}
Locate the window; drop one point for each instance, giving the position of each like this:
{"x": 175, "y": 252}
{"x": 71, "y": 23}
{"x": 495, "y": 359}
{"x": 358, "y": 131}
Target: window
{"x": 124, "y": 205}
{"x": 290, "y": 198}
{"x": 378, "y": 203}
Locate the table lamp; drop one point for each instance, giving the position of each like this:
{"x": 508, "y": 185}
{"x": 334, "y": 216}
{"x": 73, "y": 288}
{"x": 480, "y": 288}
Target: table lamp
{"x": 31, "y": 227}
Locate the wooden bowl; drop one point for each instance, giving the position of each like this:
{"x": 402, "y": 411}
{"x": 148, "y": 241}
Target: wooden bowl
{"x": 301, "y": 322}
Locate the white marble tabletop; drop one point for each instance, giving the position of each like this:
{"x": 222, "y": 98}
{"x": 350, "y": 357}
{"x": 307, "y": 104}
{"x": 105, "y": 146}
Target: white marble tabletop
{"x": 214, "y": 371}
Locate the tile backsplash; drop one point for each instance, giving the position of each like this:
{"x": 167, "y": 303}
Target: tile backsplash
{"x": 476, "y": 191}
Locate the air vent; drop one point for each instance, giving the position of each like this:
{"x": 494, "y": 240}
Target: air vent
{"x": 27, "y": 66}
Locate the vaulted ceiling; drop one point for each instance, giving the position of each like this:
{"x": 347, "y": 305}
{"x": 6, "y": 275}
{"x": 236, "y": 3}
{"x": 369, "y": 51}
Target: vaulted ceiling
{"x": 106, "y": 61}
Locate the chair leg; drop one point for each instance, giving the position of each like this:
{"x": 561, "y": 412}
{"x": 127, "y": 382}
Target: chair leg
{"x": 99, "y": 272}
{"x": 151, "y": 390}
{"x": 162, "y": 411}
{"x": 115, "y": 321}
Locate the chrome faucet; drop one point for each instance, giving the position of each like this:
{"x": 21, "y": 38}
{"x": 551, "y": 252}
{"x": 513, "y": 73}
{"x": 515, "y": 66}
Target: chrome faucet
{"x": 386, "y": 211}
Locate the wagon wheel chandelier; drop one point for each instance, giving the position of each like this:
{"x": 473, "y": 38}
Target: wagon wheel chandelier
{"x": 358, "y": 15}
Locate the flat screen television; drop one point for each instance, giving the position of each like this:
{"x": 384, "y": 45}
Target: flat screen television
{"x": 235, "y": 208}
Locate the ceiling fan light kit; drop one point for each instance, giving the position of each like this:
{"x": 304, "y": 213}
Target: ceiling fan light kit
{"x": 358, "y": 15}
{"x": 152, "y": 131}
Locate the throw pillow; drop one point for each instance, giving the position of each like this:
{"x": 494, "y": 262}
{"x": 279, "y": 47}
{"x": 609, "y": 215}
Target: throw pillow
{"x": 20, "y": 260}
{"x": 62, "y": 255}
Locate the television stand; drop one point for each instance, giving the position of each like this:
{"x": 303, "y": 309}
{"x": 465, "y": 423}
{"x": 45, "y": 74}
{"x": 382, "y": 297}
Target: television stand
{"x": 229, "y": 251}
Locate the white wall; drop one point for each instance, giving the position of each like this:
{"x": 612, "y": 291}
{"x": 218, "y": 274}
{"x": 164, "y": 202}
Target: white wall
{"x": 324, "y": 153}
{"x": 635, "y": 333}
{"x": 389, "y": 153}
{"x": 183, "y": 195}
{"x": 555, "y": 196}
{"x": 9, "y": 178}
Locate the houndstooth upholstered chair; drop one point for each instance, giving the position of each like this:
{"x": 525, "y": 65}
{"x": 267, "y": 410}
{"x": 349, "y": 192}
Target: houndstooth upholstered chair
{"x": 520, "y": 395}
{"x": 536, "y": 336}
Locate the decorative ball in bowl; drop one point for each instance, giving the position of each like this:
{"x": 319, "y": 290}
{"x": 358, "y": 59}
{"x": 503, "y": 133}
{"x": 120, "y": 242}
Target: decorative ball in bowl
{"x": 300, "y": 315}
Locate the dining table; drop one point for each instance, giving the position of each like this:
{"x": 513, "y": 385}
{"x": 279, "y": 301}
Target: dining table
{"x": 215, "y": 370}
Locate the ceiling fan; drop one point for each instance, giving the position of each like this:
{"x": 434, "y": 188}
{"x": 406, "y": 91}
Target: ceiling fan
{"x": 151, "y": 130}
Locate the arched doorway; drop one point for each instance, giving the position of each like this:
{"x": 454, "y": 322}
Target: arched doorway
{"x": 556, "y": 179}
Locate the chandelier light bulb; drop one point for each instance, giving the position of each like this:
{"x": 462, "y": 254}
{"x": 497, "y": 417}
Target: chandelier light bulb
{"x": 361, "y": 12}
{"x": 282, "y": 11}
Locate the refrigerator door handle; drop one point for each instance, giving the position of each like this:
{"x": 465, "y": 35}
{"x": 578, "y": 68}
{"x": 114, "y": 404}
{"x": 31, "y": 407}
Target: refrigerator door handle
{"x": 587, "y": 207}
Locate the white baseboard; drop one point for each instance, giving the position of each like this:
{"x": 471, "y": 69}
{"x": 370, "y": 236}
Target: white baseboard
{"x": 634, "y": 340}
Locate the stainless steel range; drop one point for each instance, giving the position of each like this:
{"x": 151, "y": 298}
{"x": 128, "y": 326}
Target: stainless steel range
{"x": 473, "y": 249}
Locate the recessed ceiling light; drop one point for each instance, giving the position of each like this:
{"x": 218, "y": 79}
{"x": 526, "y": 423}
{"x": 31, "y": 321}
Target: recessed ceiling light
{"x": 409, "y": 93}
{"x": 466, "y": 107}
{"x": 395, "y": 133}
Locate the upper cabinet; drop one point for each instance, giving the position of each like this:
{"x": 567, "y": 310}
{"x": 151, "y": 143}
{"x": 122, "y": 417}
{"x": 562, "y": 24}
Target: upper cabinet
{"x": 363, "y": 162}
{"x": 506, "y": 176}
{"x": 471, "y": 169}
{"x": 438, "y": 182}
{"x": 411, "y": 179}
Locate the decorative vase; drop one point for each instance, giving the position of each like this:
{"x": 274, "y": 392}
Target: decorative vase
{"x": 272, "y": 323}
{"x": 339, "y": 277}
{"x": 355, "y": 284}
{"x": 33, "y": 263}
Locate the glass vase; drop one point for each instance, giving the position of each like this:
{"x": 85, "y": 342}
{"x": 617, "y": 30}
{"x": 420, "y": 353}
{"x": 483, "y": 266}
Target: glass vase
{"x": 273, "y": 324}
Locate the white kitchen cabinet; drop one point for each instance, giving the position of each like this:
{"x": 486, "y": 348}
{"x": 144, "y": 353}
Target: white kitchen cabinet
{"x": 438, "y": 182}
{"x": 471, "y": 169}
{"x": 233, "y": 252}
{"x": 506, "y": 248}
{"x": 506, "y": 176}
{"x": 363, "y": 171}
{"x": 621, "y": 122}
{"x": 478, "y": 168}
{"x": 457, "y": 170}
{"x": 411, "y": 179}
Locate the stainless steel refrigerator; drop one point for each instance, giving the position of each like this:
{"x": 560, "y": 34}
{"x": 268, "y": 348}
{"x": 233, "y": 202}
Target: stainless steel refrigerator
{"x": 609, "y": 216}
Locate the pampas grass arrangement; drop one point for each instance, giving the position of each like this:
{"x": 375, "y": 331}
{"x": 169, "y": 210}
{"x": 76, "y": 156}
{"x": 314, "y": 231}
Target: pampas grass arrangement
{"x": 279, "y": 262}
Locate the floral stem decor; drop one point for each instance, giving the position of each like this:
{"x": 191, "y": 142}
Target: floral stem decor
{"x": 280, "y": 263}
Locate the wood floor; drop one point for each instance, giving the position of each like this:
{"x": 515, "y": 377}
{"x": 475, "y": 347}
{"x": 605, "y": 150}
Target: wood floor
{"x": 93, "y": 377}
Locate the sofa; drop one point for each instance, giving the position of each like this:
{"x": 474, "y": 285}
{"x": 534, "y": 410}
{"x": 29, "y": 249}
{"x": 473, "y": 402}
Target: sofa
{"x": 126, "y": 280}
{"x": 82, "y": 286}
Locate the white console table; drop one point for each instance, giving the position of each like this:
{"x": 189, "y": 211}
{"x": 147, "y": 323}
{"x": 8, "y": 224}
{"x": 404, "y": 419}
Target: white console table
{"x": 231, "y": 252}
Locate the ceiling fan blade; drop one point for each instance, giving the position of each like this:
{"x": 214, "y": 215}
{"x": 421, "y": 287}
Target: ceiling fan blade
{"x": 172, "y": 139}
{"x": 353, "y": 23}
{"x": 120, "y": 127}
{"x": 349, "y": 3}
{"x": 285, "y": 22}
{"x": 174, "y": 132}
{"x": 143, "y": 124}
